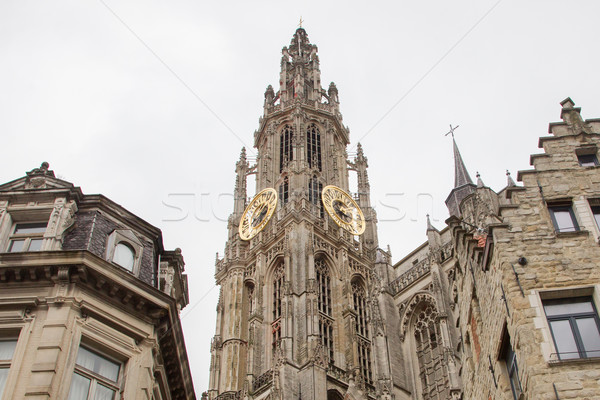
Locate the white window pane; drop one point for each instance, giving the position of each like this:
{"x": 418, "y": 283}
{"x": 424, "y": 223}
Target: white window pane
{"x": 564, "y": 221}
{"x": 597, "y": 218}
{"x": 98, "y": 364}
{"x": 563, "y": 337}
{"x": 16, "y": 246}
{"x": 80, "y": 387}
{"x": 7, "y": 348}
{"x": 104, "y": 393}
{"x": 35, "y": 244}
{"x": 3, "y": 376}
{"x": 568, "y": 307}
{"x": 588, "y": 330}
{"x": 124, "y": 256}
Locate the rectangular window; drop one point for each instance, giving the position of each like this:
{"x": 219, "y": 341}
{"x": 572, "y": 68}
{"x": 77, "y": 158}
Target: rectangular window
{"x": 488, "y": 252}
{"x": 27, "y": 237}
{"x": 595, "y": 206}
{"x": 507, "y": 355}
{"x": 563, "y": 217}
{"x": 95, "y": 377}
{"x": 575, "y": 327}
{"x": 7, "y": 349}
{"x": 513, "y": 372}
{"x": 586, "y": 156}
{"x": 587, "y": 160}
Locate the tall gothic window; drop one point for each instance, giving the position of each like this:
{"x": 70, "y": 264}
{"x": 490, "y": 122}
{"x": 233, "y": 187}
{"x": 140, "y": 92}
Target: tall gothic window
{"x": 359, "y": 297}
{"x": 250, "y": 293}
{"x": 432, "y": 372}
{"x": 278, "y": 280}
{"x": 313, "y": 147}
{"x": 284, "y": 191}
{"x": 325, "y": 309}
{"x": 285, "y": 147}
{"x": 314, "y": 193}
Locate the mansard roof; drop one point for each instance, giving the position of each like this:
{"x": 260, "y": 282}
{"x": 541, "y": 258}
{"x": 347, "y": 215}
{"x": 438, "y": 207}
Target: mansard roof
{"x": 42, "y": 181}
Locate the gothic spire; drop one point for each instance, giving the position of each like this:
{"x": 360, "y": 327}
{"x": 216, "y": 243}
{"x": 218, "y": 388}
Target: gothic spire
{"x": 461, "y": 175}
{"x": 463, "y": 184}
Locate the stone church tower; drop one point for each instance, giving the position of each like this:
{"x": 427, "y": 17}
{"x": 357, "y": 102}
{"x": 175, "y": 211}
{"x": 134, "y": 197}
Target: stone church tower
{"x": 499, "y": 304}
{"x": 300, "y": 313}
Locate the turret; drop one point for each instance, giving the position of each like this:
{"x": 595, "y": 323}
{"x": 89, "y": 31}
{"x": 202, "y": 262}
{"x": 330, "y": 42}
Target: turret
{"x": 463, "y": 184}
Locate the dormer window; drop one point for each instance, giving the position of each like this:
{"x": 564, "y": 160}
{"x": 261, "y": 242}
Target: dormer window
{"x": 124, "y": 249}
{"x": 27, "y": 237}
{"x": 124, "y": 256}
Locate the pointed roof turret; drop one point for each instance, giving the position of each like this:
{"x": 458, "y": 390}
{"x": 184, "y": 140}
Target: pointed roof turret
{"x": 463, "y": 184}
{"x": 461, "y": 175}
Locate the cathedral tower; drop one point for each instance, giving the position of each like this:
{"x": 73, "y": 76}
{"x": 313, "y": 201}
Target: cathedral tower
{"x": 301, "y": 304}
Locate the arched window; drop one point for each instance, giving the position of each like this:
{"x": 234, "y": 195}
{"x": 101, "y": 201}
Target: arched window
{"x": 250, "y": 298}
{"x": 278, "y": 280}
{"x": 313, "y": 147}
{"x": 284, "y": 191}
{"x": 359, "y": 297}
{"x": 325, "y": 307}
{"x": 360, "y": 307}
{"x": 314, "y": 193}
{"x": 124, "y": 255}
{"x": 432, "y": 373}
{"x": 285, "y": 147}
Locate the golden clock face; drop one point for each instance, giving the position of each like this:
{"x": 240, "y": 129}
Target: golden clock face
{"x": 258, "y": 213}
{"x": 343, "y": 210}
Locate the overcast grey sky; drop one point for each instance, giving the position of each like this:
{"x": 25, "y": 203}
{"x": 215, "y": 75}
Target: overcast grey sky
{"x": 150, "y": 102}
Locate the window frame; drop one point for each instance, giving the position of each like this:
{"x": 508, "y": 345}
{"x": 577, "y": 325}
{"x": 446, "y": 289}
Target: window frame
{"x": 313, "y": 147}
{"x": 6, "y": 364}
{"x": 594, "y": 204}
{"x": 278, "y": 293}
{"x": 95, "y": 378}
{"x": 286, "y": 151}
{"x": 572, "y": 319}
{"x": 509, "y": 357}
{"x": 26, "y": 237}
{"x": 128, "y": 238}
{"x": 563, "y": 206}
{"x": 284, "y": 191}
{"x": 325, "y": 306}
{"x": 589, "y": 151}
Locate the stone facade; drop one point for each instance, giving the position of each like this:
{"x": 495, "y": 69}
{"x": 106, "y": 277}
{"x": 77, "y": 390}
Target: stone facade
{"x": 500, "y": 304}
{"x": 89, "y": 299}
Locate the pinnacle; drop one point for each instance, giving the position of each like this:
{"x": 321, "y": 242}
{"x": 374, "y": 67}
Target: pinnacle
{"x": 479, "y": 180}
{"x": 430, "y": 227}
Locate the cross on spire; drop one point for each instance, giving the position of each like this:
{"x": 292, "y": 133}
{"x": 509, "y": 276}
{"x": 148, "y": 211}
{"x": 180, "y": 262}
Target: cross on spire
{"x": 301, "y": 21}
{"x": 451, "y": 132}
